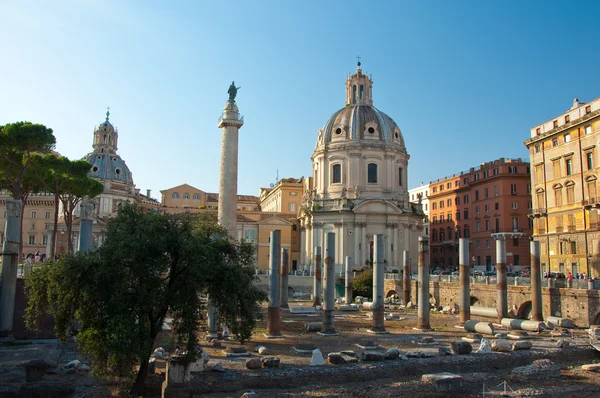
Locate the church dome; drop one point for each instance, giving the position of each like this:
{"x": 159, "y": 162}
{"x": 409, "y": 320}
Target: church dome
{"x": 363, "y": 123}
{"x": 106, "y": 166}
{"x": 359, "y": 123}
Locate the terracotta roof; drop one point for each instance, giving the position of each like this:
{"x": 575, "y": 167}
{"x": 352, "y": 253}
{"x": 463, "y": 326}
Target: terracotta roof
{"x": 214, "y": 197}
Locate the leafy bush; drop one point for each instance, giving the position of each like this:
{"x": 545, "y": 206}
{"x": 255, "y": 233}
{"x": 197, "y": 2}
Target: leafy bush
{"x": 362, "y": 285}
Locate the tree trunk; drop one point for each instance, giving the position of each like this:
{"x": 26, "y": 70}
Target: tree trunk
{"x": 69, "y": 222}
{"x": 140, "y": 378}
{"x": 24, "y": 198}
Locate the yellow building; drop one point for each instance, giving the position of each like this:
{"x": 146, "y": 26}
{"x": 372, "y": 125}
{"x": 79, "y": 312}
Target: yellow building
{"x": 186, "y": 198}
{"x": 38, "y": 218}
{"x": 564, "y": 162}
{"x": 280, "y": 205}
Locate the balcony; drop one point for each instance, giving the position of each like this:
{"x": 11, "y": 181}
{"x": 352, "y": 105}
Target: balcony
{"x": 591, "y": 202}
{"x": 539, "y": 212}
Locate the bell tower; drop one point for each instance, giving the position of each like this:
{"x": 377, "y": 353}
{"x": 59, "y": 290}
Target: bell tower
{"x": 359, "y": 88}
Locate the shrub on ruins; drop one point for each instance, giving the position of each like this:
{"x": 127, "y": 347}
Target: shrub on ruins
{"x": 151, "y": 265}
{"x": 362, "y": 285}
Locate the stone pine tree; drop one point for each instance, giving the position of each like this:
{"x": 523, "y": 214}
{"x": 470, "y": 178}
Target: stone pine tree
{"x": 19, "y": 143}
{"x": 69, "y": 182}
{"x": 150, "y": 265}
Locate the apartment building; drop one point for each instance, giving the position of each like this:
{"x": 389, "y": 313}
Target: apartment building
{"x": 565, "y": 214}
{"x": 485, "y": 203}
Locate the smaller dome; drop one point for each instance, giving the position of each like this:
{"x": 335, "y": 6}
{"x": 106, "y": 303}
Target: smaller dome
{"x": 107, "y": 166}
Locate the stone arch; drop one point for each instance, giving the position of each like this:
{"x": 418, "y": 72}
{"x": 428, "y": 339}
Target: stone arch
{"x": 390, "y": 293}
{"x": 524, "y": 311}
{"x": 473, "y": 300}
{"x": 597, "y": 319}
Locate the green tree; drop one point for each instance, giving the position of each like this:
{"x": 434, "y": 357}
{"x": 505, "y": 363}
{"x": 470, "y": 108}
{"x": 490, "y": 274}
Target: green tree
{"x": 150, "y": 265}
{"x": 76, "y": 187}
{"x": 64, "y": 178}
{"x": 20, "y": 143}
{"x": 362, "y": 285}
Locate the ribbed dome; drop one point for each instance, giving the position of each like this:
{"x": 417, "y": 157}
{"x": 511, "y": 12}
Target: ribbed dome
{"x": 107, "y": 166}
{"x": 362, "y": 123}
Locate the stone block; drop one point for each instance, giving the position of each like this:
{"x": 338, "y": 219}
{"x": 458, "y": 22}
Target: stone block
{"x": 271, "y": 362}
{"x": 253, "y": 363}
{"x": 35, "y": 370}
{"x": 484, "y": 347}
{"x": 501, "y": 345}
{"x": 591, "y": 367}
{"x": 522, "y": 345}
{"x": 368, "y": 356}
{"x": 263, "y": 351}
{"x": 392, "y": 353}
{"x": 317, "y": 358}
{"x": 461, "y": 347}
{"x": 444, "y": 382}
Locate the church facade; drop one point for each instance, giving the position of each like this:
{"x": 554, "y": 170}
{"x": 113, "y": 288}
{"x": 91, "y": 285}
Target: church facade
{"x": 359, "y": 184}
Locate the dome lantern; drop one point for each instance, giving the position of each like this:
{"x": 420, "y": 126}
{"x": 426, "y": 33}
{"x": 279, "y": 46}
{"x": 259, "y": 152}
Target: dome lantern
{"x": 359, "y": 88}
{"x": 105, "y": 137}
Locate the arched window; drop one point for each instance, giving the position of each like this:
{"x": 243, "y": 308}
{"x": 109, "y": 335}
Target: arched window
{"x": 105, "y": 138}
{"x": 362, "y": 92}
{"x": 400, "y": 176}
{"x": 336, "y": 172}
{"x": 449, "y": 233}
{"x": 441, "y": 235}
{"x": 466, "y": 233}
{"x": 372, "y": 173}
{"x": 434, "y": 235}
{"x": 354, "y": 94}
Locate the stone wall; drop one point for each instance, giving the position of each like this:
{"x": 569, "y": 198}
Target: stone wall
{"x": 581, "y": 306}
{"x": 46, "y": 325}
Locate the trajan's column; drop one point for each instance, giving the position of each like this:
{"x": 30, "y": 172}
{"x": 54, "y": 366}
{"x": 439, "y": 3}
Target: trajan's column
{"x": 229, "y": 123}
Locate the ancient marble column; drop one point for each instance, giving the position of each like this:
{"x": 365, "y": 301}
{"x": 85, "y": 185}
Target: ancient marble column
{"x": 329, "y": 280}
{"x": 284, "y": 269}
{"x": 317, "y": 277}
{"x": 502, "y": 300}
{"x": 536, "y": 282}
{"x": 86, "y": 223}
{"x": 273, "y": 312}
{"x": 303, "y": 246}
{"x": 378, "y": 281}
{"x": 230, "y": 123}
{"x": 464, "y": 275}
{"x": 348, "y": 279}
{"x": 10, "y": 261}
{"x": 406, "y": 274}
{"x": 423, "y": 290}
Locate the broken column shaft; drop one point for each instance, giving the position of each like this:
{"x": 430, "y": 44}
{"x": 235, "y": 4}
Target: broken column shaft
{"x": 348, "y": 279}
{"x": 283, "y": 298}
{"x": 502, "y": 303}
{"x": 378, "y": 280}
{"x": 317, "y": 277}
{"x": 406, "y": 277}
{"x": 465, "y": 286}
{"x": 329, "y": 280}
{"x": 536, "y": 282}
{"x": 423, "y": 292}
{"x": 273, "y": 312}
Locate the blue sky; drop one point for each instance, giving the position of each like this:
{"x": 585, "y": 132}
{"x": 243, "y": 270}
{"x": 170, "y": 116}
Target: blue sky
{"x": 464, "y": 80}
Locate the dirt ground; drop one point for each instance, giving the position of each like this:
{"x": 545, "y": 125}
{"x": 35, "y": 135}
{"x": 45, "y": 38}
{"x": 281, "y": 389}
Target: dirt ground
{"x": 296, "y": 378}
{"x": 353, "y": 328}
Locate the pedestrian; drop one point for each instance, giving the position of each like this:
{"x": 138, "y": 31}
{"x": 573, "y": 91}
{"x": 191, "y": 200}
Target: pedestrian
{"x": 545, "y": 274}
{"x": 570, "y": 276}
{"x": 577, "y": 276}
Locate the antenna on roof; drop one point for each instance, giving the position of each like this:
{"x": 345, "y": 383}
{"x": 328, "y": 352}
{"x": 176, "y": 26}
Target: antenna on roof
{"x": 277, "y": 177}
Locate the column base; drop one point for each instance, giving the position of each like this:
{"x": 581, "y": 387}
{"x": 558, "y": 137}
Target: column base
{"x": 211, "y": 336}
{"x": 329, "y": 333}
{"x": 378, "y": 331}
{"x": 274, "y": 335}
{"x": 424, "y": 329}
